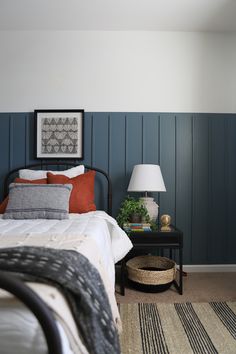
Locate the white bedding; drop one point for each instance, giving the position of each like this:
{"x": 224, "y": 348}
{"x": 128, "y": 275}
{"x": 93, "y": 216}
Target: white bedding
{"x": 112, "y": 242}
{"x": 94, "y": 234}
{"x": 15, "y": 339}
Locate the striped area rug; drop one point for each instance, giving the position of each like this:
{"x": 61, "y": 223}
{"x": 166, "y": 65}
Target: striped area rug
{"x": 185, "y": 328}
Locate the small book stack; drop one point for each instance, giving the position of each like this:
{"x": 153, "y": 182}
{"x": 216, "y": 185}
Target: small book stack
{"x": 137, "y": 227}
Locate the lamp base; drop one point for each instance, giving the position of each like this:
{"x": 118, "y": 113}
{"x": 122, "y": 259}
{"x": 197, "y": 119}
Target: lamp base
{"x": 151, "y": 206}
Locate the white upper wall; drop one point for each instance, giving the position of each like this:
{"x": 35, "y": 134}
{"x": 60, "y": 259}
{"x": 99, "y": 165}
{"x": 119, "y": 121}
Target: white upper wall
{"x": 124, "y": 15}
{"x": 118, "y": 71}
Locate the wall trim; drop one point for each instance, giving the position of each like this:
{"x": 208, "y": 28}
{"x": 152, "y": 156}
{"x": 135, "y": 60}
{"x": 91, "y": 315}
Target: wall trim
{"x": 209, "y": 268}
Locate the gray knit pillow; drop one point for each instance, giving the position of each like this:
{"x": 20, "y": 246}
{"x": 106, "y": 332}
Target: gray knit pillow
{"x": 38, "y": 201}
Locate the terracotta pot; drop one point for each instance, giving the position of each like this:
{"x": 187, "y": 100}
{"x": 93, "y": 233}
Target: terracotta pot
{"x": 135, "y": 218}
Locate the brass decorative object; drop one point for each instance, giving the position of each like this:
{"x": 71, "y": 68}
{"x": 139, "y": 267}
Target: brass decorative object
{"x": 165, "y": 222}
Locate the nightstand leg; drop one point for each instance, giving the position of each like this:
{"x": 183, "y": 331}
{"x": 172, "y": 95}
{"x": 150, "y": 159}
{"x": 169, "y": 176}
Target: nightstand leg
{"x": 122, "y": 278}
{"x": 181, "y": 271}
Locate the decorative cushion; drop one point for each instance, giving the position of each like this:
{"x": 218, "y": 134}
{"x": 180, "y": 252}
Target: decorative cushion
{"x": 82, "y": 195}
{"x": 38, "y": 201}
{"x": 36, "y": 174}
{"x": 29, "y": 181}
{"x": 3, "y": 205}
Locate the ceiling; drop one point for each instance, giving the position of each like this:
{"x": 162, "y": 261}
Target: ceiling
{"x": 126, "y": 15}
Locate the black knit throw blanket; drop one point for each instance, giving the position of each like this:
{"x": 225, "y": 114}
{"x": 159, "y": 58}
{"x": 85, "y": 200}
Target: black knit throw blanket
{"x": 81, "y": 284}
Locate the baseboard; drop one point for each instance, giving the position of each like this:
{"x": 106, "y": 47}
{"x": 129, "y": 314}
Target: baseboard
{"x": 209, "y": 268}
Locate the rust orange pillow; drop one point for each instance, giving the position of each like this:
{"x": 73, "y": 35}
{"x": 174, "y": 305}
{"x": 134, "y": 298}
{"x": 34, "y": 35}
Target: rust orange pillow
{"x": 3, "y": 205}
{"x": 34, "y": 181}
{"x": 82, "y": 195}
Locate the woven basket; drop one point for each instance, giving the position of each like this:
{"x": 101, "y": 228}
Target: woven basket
{"x": 151, "y": 277}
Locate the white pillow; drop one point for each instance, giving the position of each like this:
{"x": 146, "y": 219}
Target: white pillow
{"x": 38, "y": 174}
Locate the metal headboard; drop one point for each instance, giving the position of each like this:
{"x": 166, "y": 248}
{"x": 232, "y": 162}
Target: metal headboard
{"x": 44, "y": 165}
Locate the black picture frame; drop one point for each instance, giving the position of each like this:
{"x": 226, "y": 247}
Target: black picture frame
{"x": 59, "y": 133}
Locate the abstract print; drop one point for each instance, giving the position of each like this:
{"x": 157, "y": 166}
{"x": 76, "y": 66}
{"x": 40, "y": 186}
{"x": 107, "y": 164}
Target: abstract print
{"x": 59, "y": 135}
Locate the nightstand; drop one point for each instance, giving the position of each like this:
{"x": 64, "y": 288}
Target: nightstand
{"x": 170, "y": 240}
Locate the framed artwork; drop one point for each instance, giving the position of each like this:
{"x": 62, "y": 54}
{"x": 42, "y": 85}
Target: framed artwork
{"x": 59, "y": 133}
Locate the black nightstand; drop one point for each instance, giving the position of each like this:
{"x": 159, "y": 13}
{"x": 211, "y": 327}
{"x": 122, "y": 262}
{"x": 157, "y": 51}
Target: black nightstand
{"x": 156, "y": 239}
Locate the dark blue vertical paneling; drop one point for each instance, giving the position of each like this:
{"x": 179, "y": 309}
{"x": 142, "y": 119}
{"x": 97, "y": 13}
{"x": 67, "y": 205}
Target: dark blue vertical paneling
{"x": 167, "y": 164}
{"x": 30, "y": 134}
{"x": 87, "y": 139}
{"x": 18, "y": 138}
{"x": 184, "y": 180}
{"x": 10, "y": 142}
{"x": 151, "y": 137}
{"x": 100, "y": 152}
{"x": 217, "y": 190}
{"x": 151, "y": 142}
{"x": 117, "y": 149}
{"x": 4, "y": 148}
{"x": 200, "y": 216}
{"x": 134, "y": 142}
{"x": 197, "y": 158}
{"x": 231, "y": 190}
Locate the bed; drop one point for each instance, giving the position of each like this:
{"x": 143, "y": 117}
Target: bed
{"x": 94, "y": 242}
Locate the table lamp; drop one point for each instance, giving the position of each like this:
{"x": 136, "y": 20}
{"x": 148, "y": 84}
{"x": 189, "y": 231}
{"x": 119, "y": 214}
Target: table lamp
{"x": 147, "y": 178}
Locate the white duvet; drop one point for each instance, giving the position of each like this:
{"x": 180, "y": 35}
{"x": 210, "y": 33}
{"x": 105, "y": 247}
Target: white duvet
{"x": 111, "y": 241}
{"x": 94, "y": 234}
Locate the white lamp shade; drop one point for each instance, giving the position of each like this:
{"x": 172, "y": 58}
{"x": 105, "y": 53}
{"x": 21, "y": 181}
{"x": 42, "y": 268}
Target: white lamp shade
{"x": 146, "y": 178}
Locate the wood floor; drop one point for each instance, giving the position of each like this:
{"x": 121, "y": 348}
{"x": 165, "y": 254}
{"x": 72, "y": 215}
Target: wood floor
{"x": 198, "y": 287}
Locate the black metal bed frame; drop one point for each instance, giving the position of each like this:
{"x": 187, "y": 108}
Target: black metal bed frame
{"x": 67, "y": 164}
{"x": 21, "y": 290}
{"x": 34, "y": 303}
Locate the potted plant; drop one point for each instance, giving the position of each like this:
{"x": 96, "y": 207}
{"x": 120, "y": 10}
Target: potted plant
{"x": 132, "y": 210}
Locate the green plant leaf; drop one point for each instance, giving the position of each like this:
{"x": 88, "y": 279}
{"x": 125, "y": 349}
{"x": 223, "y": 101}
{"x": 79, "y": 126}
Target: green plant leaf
{"x": 131, "y": 206}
